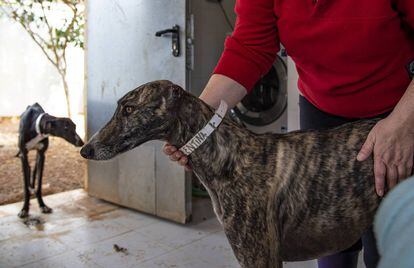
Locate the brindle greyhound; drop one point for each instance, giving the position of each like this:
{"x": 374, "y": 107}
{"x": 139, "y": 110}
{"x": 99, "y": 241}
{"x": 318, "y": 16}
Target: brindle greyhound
{"x": 279, "y": 197}
{"x": 35, "y": 127}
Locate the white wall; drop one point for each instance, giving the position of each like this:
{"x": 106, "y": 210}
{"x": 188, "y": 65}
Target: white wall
{"x": 26, "y": 76}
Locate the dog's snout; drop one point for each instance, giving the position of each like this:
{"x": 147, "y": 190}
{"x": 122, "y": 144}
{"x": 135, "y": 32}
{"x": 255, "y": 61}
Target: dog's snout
{"x": 87, "y": 151}
{"x": 79, "y": 141}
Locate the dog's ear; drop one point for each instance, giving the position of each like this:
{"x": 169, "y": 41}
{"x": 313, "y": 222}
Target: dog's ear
{"x": 175, "y": 99}
{"x": 49, "y": 125}
{"x": 176, "y": 92}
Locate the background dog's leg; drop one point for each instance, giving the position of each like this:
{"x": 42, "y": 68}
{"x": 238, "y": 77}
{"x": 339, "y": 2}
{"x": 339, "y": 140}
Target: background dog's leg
{"x": 26, "y": 179}
{"x": 33, "y": 180}
{"x": 40, "y": 161}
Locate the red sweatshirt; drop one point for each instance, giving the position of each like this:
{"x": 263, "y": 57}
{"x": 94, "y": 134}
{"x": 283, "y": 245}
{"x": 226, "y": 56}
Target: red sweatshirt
{"x": 352, "y": 56}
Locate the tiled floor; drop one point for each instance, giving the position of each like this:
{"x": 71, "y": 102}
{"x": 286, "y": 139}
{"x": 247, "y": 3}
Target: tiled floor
{"x": 85, "y": 232}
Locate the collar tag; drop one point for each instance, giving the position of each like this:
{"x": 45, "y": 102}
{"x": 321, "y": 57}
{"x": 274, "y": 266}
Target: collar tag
{"x": 204, "y": 133}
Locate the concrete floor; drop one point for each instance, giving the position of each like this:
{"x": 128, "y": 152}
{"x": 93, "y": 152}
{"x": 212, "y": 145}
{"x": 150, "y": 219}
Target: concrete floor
{"x": 87, "y": 232}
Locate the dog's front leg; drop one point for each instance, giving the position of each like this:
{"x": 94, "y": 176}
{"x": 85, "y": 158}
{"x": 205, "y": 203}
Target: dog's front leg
{"x": 255, "y": 255}
{"x": 33, "y": 180}
{"x": 252, "y": 244}
{"x": 40, "y": 161}
{"x": 26, "y": 184}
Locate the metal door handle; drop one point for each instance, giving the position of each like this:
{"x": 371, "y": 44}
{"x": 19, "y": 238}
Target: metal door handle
{"x": 175, "y": 38}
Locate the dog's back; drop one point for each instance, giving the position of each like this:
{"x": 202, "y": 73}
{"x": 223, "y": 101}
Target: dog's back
{"x": 325, "y": 194}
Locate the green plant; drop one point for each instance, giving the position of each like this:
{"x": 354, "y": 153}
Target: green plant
{"x": 53, "y": 25}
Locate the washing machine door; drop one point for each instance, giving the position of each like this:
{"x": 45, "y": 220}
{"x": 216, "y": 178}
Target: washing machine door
{"x": 268, "y": 99}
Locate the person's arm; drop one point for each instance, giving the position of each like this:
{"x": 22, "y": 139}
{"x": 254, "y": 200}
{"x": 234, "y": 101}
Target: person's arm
{"x": 249, "y": 53}
{"x": 252, "y": 48}
{"x": 391, "y": 142}
{"x": 221, "y": 87}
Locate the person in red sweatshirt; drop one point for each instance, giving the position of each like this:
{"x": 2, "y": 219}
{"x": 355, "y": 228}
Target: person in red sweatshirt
{"x": 355, "y": 59}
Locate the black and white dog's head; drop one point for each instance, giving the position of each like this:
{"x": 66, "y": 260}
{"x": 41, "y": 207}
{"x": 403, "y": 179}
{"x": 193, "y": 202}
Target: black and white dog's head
{"x": 62, "y": 127}
{"x": 145, "y": 113}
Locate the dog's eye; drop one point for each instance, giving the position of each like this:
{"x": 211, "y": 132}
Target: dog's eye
{"x": 128, "y": 110}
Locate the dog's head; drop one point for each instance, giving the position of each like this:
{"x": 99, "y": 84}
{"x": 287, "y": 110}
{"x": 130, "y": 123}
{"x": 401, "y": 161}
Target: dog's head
{"x": 145, "y": 113}
{"x": 63, "y": 128}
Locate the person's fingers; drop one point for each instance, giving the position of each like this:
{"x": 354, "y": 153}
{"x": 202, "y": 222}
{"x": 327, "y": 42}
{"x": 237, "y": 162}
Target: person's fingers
{"x": 187, "y": 168}
{"x": 183, "y": 160}
{"x": 169, "y": 149}
{"x": 392, "y": 176}
{"x": 409, "y": 168}
{"x": 379, "y": 172}
{"x": 176, "y": 155}
{"x": 402, "y": 173}
{"x": 366, "y": 149}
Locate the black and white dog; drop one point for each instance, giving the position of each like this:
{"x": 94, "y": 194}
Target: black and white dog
{"x": 34, "y": 130}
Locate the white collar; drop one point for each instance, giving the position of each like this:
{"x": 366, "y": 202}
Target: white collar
{"x": 204, "y": 133}
{"x": 39, "y": 137}
{"x": 37, "y": 126}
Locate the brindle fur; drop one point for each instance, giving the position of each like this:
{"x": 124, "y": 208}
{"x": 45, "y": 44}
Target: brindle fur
{"x": 279, "y": 197}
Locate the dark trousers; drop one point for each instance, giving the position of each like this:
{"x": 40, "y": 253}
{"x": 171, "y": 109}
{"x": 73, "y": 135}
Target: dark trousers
{"x": 313, "y": 118}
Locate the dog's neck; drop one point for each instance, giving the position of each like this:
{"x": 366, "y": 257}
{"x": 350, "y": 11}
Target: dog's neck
{"x": 42, "y": 124}
{"x": 215, "y": 157}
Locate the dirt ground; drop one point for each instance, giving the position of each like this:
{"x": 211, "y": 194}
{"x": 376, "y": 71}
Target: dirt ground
{"x": 64, "y": 168}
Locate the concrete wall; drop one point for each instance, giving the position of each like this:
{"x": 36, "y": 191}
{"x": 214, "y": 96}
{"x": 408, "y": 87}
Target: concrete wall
{"x": 26, "y": 76}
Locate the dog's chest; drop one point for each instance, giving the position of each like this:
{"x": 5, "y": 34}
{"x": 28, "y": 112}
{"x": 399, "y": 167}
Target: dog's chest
{"x": 39, "y": 146}
{"x": 36, "y": 143}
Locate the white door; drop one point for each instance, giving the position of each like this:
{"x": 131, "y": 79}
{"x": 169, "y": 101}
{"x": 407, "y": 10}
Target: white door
{"x": 123, "y": 52}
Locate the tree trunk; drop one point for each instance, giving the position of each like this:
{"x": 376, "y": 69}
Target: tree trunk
{"x": 66, "y": 89}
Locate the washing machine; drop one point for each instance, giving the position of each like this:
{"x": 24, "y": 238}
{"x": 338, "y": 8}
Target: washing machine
{"x": 265, "y": 108}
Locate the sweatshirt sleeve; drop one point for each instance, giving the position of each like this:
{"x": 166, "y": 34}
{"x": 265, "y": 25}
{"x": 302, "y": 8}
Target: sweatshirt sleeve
{"x": 252, "y": 48}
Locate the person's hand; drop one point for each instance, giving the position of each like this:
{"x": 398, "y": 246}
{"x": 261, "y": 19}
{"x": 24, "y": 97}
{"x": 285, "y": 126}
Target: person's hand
{"x": 392, "y": 144}
{"x": 176, "y": 155}
{"x": 219, "y": 87}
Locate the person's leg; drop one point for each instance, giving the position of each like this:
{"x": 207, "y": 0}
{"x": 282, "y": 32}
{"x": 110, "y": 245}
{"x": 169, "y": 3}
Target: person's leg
{"x": 371, "y": 255}
{"x": 339, "y": 260}
{"x": 313, "y": 118}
